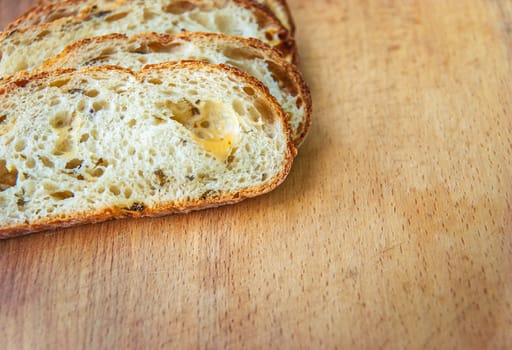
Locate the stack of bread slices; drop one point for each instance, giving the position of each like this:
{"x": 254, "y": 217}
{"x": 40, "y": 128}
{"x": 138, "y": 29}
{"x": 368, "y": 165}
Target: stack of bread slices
{"x": 129, "y": 108}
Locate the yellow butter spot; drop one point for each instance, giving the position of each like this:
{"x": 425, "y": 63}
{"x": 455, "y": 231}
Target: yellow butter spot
{"x": 214, "y": 126}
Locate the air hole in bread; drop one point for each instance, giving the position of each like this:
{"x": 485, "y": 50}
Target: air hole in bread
{"x": 59, "y": 82}
{"x": 42, "y": 34}
{"x": 155, "y": 47}
{"x": 119, "y": 89}
{"x": 179, "y": 7}
{"x": 30, "y": 163}
{"x": 224, "y": 23}
{"x": 282, "y": 78}
{"x": 157, "y": 120}
{"x": 264, "y": 110}
{"x": 161, "y": 177}
{"x": 155, "y": 81}
{"x": 148, "y": 15}
{"x": 254, "y": 114}
{"x": 9, "y": 140}
{"x": 3, "y": 128}
{"x": 106, "y": 52}
{"x": 46, "y": 162}
{"x": 180, "y": 111}
{"x": 94, "y": 134}
{"x": 84, "y": 138}
{"x": 115, "y": 190}
{"x": 236, "y": 53}
{"x": 92, "y": 93}
{"x": 131, "y": 123}
{"x": 54, "y": 101}
{"x": 101, "y": 190}
{"x": 268, "y": 130}
{"x": 80, "y": 106}
{"x": 21, "y": 65}
{"x": 8, "y": 177}
{"x": 100, "y": 105}
{"x": 60, "y": 120}
{"x": 116, "y": 17}
{"x": 74, "y": 163}
{"x": 127, "y": 193}
{"x": 299, "y": 103}
{"x": 49, "y": 187}
{"x": 62, "y": 195}
{"x": 60, "y": 13}
{"x": 102, "y": 162}
{"x": 98, "y": 172}
{"x": 269, "y": 36}
{"x": 142, "y": 60}
{"x": 200, "y": 18}
{"x": 62, "y": 145}
{"x": 19, "y": 145}
{"x": 249, "y": 90}
{"x": 238, "y": 107}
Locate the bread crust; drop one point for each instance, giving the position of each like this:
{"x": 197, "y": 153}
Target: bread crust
{"x": 81, "y": 10}
{"x": 111, "y": 213}
{"x": 292, "y": 72}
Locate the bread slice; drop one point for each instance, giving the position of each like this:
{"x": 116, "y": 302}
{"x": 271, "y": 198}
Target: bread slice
{"x": 279, "y": 8}
{"x": 252, "y": 56}
{"x": 26, "y": 48}
{"x": 89, "y": 145}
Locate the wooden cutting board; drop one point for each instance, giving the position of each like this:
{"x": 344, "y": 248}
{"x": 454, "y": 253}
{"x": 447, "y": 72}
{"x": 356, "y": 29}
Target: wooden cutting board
{"x": 394, "y": 229}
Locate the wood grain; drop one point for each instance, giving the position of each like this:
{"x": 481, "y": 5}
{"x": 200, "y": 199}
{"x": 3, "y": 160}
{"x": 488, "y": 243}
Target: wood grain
{"x": 393, "y": 231}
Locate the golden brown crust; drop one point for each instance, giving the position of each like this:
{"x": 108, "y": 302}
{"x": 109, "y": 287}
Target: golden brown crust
{"x": 105, "y": 214}
{"x": 291, "y": 71}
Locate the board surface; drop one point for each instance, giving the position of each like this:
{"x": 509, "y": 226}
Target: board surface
{"x": 393, "y": 230}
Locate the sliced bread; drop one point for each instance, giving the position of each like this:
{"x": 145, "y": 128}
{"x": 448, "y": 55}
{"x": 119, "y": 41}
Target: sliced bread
{"x": 252, "y": 56}
{"x": 81, "y": 146}
{"x": 278, "y": 7}
{"x": 27, "y": 47}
